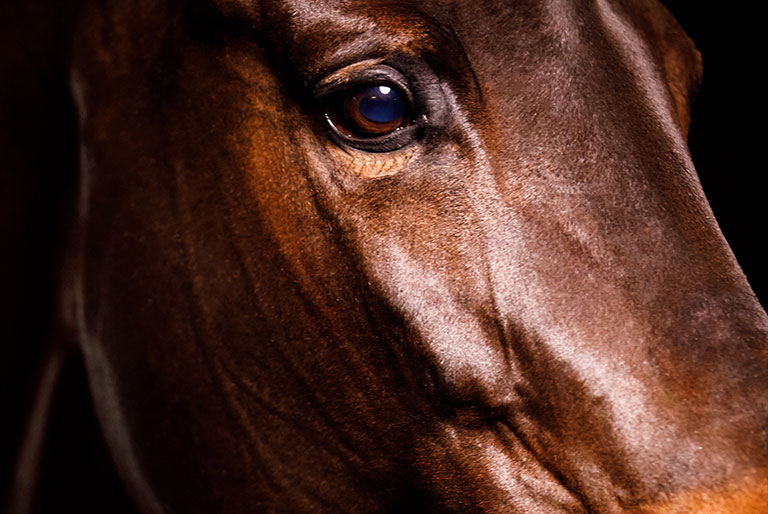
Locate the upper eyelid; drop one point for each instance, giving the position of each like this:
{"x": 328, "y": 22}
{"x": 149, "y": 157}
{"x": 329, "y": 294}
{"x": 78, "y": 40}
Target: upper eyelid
{"x": 368, "y": 71}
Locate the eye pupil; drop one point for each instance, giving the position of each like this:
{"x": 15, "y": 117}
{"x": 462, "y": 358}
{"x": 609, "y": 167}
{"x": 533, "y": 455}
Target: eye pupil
{"x": 380, "y": 104}
{"x": 370, "y": 111}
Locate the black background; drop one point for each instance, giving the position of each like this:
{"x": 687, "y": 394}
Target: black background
{"x": 727, "y": 131}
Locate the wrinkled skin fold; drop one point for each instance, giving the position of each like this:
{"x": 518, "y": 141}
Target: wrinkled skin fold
{"x": 528, "y": 308}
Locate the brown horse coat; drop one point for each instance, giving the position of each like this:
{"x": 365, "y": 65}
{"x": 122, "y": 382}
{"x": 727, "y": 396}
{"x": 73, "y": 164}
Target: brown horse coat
{"x": 519, "y": 303}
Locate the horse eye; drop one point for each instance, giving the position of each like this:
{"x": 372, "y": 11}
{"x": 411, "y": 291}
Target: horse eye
{"x": 370, "y": 111}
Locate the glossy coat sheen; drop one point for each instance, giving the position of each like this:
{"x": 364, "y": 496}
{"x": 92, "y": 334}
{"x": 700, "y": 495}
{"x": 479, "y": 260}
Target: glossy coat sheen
{"x": 529, "y": 308}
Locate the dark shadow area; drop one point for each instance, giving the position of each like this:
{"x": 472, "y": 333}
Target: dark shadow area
{"x": 38, "y": 184}
{"x": 79, "y": 475}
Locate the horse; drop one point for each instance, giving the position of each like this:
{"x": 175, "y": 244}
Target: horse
{"x": 343, "y": 256}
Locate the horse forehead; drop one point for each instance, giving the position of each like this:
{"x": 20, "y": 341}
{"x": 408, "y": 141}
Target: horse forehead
{"x": 398, "y": 23}
{"x": 502, "y": 39}
{"x": 489, "y": 20}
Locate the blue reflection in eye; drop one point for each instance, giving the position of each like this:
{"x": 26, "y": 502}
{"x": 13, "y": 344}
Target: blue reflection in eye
{"x": 381, "y": 104}
{"x": 373, "y": 110}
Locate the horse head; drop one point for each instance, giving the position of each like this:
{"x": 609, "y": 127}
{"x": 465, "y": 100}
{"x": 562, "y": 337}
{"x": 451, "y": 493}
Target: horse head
{"x": 339, "y": 256}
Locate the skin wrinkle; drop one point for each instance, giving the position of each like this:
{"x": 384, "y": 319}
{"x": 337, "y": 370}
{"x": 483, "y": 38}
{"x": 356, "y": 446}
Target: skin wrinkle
{"x": 508, "y": 485}
{"x": 573, "y": 338}
{"x": 281, "y": 229}
{"x": 296, "y": 368}
{"x": 528, "y": 309}
{"x": 255, "y": 451}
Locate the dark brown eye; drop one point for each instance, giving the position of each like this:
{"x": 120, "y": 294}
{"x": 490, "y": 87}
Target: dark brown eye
{"x": 370, "y": 111}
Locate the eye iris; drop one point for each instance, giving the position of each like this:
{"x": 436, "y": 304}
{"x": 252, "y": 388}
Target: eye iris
{"x": 375, "y": 110}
